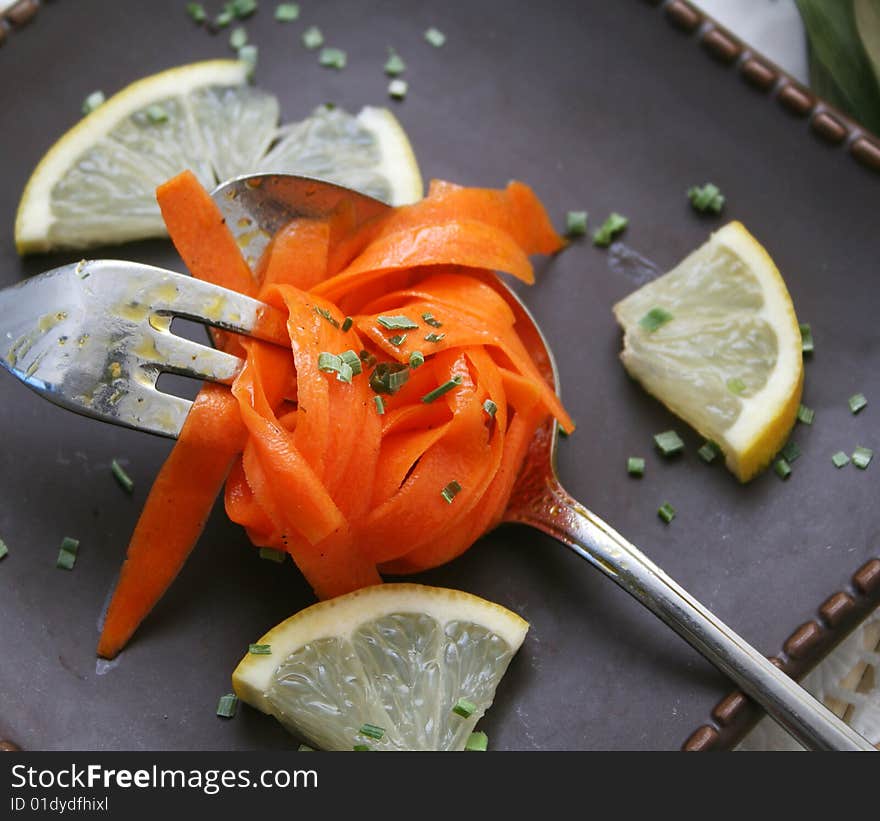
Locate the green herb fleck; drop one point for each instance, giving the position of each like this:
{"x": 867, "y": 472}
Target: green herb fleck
{"x": 67, "y": 553}
{"x": 249, "y": 54}
{"x": 430, "y": 320}
{"x": 333, "y": 363}
{"x": 806, "y": 338}
{"x": 416, "y": 359}
{"x": 286, "y": 12}
{"x": 397, "y": 323}
{"x": 477, "y": 743}
{"x": 325, "y": 312}
{"x": 389, "y": 377}
{"x": 196, "y": 11}
{"x": 347, "y": 323}
{"x": 333, "y": 58}
{"x": 125, "y": 481}
{"x": 450, "y": 491}
{"x": 782, "y": 468}
{"x": 224, "y": 18}
{"x": 353, "y": 361}
{"x": 840, "y": 459}
{"x": 609, "y": 229}
{"x": 861, "y": 457}
{"x": 4, "y": 550}
{"x": 156, "y": 114}
{"x": 394, "y": 65}
{"x": 490, "y": 407}
{"x": 709, "y": 451}
{"x": 367, "y": 358}
{"x": 736, "y": 386}
{"x": 635, "y": 466}
{"x": 464, "y": 708}
{"x": 706, "y": 198}
{"x": 312, "y": 38}
{"x": 272, "y": 555}
{"x": 447, "y": 386}
{"x": 372, "y": 731}
{"x": 398, "y": 88}
{"x": 260, "y": 649}
{"x": 668, "y": 443}
{"x": 576, "y": 223}
{"x": 397, "y": 340}
{"x": 805, "y": 414}
{"x": 94, "y": 100}
{"x": 666, "y": 512}
{"x": 857, "y": 401}
{"x": 435, "y": 37}
{"x": 238, "y": 38}
{"x": 361, "y": 748}
{"x": 790, "y": 452}
{"x": 432, "y": 337}
{"x": 227, "y": 705}
{"x": 379, "y": 402}
{"x": 242, "y": 8}
{"x": 654, "y": 319}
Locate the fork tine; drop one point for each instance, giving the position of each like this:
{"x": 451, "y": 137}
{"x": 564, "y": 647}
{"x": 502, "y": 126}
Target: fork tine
{"x": 174, "y": 354}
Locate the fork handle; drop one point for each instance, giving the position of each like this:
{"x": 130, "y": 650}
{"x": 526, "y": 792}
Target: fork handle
{"x": 815, "y": 726}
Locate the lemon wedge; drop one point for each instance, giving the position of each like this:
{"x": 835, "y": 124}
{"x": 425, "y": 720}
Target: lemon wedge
{"x": 717, "y": 341}
{"x": 395, "y": 658}
{"x": 96, "y": 185}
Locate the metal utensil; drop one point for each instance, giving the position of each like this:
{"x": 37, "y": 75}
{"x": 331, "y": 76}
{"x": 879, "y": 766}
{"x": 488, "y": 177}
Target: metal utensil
{"x": 255, "y": 207}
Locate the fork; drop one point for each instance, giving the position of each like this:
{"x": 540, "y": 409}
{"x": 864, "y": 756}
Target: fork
{"x": 94, "y": 337}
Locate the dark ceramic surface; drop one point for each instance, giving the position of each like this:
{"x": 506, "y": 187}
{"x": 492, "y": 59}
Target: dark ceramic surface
{"x": 600, "y": 106}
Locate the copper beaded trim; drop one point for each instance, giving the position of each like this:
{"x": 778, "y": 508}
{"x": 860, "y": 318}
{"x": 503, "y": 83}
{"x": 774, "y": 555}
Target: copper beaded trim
{"x": 17, "y": 15}
{"x": 838, "y": 615}
{"x": 825, "y": 121}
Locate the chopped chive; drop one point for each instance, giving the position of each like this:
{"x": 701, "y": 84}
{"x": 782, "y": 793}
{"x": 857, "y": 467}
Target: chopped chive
{"x": 312, "y": 38}
{"x": 304, "y": 748}
{"x": 610, "y": 229}
{"x": 398, "y": 88}
{"x": 806, "y": 338}
{"x": 238, "y": 38}
{"x": 331, "y": 363}
{"x": 447, "y": 386}
{"x": 389, "y": 377}
{"x": 353, "y": 361}
{"x": 260, "y": 649}
{"x": 416, "y": 359}
{"x": 840, "y": 459}
{"x": 706, "y": 198}
{"x": 361, "y": 748}
{"x": 125, "y": 481}
{"x": 790, "y": 452}
{"x": 372, "y": 731}
{"x": 782, "y": 468}
{"x": 394, "y": 65}
{"x": 272, "y": 555}
{"x": 227, "y": 705}
{"x": 736, "y": 386}
{"x": 709, "y": 452}
{"x": 430, "y": 320}
{"x": 434, "y": 337}
{"x": 286, "y": 12}
{"x": 347, "y": 323}
{"x": 477, "y": 743}
{"x": 156, "y": 114}
{"x": 325, "y": 312}
{"x": 805, "y": 414}
{"x": 397, "y": 323}
{"x": 450, "y": 491}
{"x": 93, "y": 101}
{"x": 242, "y": 8}
{"x": 224, "y": 18}
{"x": 861, "y": 457}
{"x": 857, "y": 401}
{"x": 635, "y": 466}
{"x": 435, "y": 37}
{"x": 248, "y": 54}
{"x": 196, "y": 11}
{"x": 67, "y": 553}
{"x": 654, "y": 319}
{"x": 490, "y": 407}
{"x": 379, "y": 402}
{"x": 367, "y": 358}
{"x": 668, "y": 443}
{"x": 333, "y": 58}
{"x": 464, "y": 708}
{"x": 4, "y": 550}
{"x": 397, "y": 340}
{"x": 666, "y": 512}
{"x": 576, "y": 223}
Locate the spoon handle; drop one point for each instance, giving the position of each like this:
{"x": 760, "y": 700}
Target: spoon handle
{"x": 816, "y": 727}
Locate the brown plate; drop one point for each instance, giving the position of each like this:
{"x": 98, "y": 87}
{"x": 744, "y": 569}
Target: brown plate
{"x": 597, "y": 105}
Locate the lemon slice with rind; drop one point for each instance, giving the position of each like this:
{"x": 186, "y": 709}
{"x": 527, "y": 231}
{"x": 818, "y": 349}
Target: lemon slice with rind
{"x": 97, "y": 184}
{"x": 717, "y": 341}
{"x": 398, "y": 657}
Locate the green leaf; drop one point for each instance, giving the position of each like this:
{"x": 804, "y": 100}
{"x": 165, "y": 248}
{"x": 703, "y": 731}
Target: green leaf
{"x": 840, "y": 69}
